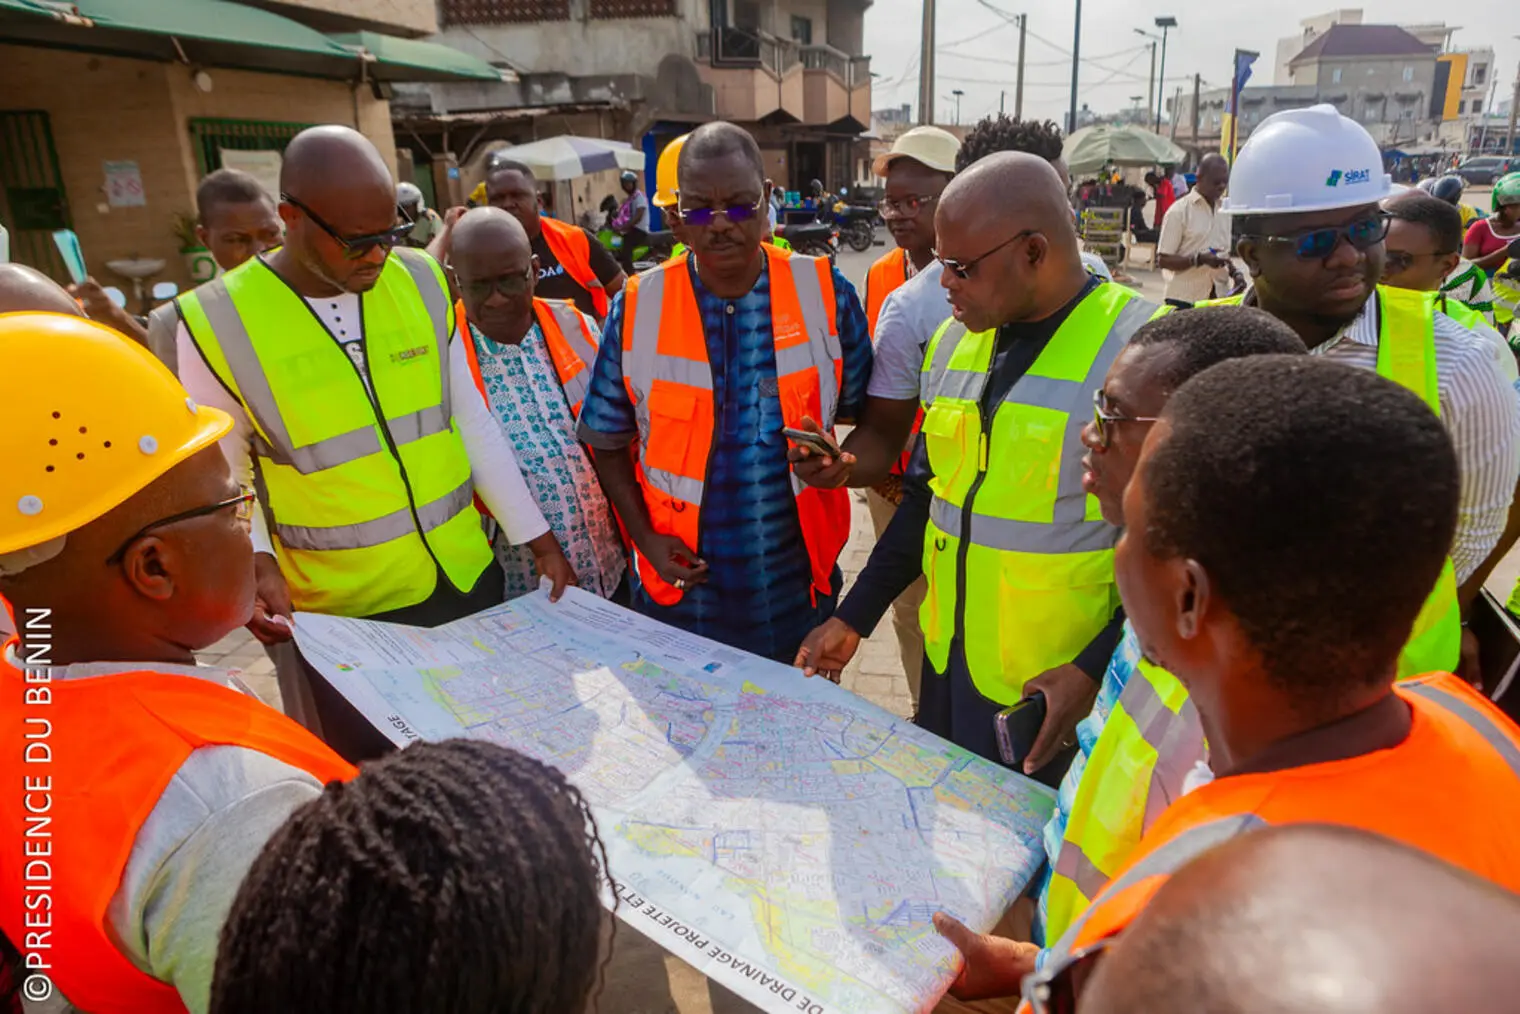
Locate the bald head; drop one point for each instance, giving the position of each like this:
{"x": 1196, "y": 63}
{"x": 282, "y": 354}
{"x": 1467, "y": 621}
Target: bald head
{"x": 493, "y": 259}
{"x": 1315, "y": 918}
{"x": 25, "y": 289}
{"x": 331, "y": 158}
{"x": 486, "y": 231}
{"x": 1213, "y": 177}
{"x": 1014, "y": 189}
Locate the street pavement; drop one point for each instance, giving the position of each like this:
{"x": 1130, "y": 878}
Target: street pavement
{"x": 640, "y": 978}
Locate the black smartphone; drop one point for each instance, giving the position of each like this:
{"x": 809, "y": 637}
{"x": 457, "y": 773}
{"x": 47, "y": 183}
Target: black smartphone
{"x": 819, "y": 442}
{"x": 1017, "y": 726}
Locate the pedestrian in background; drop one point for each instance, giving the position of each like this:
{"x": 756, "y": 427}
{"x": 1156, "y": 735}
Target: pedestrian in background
{"x": 1193, "y": 250}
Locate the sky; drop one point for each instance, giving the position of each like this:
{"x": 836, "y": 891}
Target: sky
{"x": 978, "y": 47}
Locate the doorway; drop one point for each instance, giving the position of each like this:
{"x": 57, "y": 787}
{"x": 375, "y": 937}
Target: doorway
{"x": 32, "y": 200}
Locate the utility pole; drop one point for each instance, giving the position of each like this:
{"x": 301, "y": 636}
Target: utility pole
{"x": 1176, "y": 111}
{"x": 1018, "y": 87}
{"x": 1514, "y": 107}
{"x": 1002, "y": 99}
{"x": 1197, "y": 97}
{"x": 926, "y": 67}
{"x": 957, "y": 93}
{"x": 1150, "y": 93}
{"x": 1076, "y": 62}
{"x": 1165, "y": 23}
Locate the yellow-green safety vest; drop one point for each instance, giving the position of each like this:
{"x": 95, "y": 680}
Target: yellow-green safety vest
{"x": 1152, "y": 738}
{"x": 1008, "y": 511}
{"x": 368, "y": 495}
{"x": 1407, "y": 356}
{"x": 1506, "y": 293}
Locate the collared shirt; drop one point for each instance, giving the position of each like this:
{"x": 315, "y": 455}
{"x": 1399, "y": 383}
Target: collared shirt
{"x": 758, "y": 595}
{"x": 1481, "y": 412}
{"x": 528, "y": 401}
{"x": 1192, "y": 227}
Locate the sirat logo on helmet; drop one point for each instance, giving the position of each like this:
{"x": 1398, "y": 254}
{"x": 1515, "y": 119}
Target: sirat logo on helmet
{"x": 1350, "y": 177}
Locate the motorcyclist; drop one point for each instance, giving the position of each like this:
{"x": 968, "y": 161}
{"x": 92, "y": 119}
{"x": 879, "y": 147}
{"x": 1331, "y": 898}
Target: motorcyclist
{"x": 1449, "y": 188}
{"x": 632, "y": 219}
{"x": 427, "y": 223}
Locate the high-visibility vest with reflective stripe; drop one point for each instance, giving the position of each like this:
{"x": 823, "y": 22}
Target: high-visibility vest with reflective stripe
{"x": 1407, "y": 356}
{"x": 363, "y": 493}
{"x": 1008, "y": 508}
{"x": 1152, "y": 739}
{"x": 572, "y": 248}
{"x": 109, "y": 744}
{"x": 1506, "y": 294}
{"x": 669, "y": 381}
{"x": 1451, "y": 789}
{"x": 886, "y": 275}
{"x": 568, "y": 335}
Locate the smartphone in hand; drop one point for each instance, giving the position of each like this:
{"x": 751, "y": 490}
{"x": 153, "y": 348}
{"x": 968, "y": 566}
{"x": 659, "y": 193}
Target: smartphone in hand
{"x": 1018, "y": 726}
{"x": 818, "y": 442}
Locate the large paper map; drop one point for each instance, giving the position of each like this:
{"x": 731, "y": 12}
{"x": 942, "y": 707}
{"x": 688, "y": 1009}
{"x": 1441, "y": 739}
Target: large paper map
{"x": 786, "y": 837}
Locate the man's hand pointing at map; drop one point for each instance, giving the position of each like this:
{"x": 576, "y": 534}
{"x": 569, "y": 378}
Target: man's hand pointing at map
{"x": 995, "y": 966}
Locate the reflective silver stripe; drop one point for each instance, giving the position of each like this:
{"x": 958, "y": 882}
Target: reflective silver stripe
{"x": 1073, "y": 864}
{"x": 572, "y": 325}
{"x": 690, "y": 372}
{"x": 329, "y": 453}
{"x": 822, "y": 350}
{"x": 406, "y": 428}
{"x": 963, "y": 385}
{"x": 577, "y": 387}
{"x": 679, "y": 486}
{"x": 1025, "y": 536}
{"x": 247, "y": 373}
{"x": 1071, "y": 499}
{"x": 1482, "y": 724}
{"x": 643, "y": 341}
{"x": 395, "y": 525}
{"x": 1048, "y": 392}
{"x": 435, "y": 301}
{"x": 944, "y": 342}
{"x": 1180, "y": 749}
{"x": 1166, "y": 859}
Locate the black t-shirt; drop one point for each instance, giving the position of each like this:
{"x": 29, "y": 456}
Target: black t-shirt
{"x": 554, "y": 282}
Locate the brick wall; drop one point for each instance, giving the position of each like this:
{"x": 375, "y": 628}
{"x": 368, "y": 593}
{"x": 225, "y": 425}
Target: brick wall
{"x": 108, "y": 108}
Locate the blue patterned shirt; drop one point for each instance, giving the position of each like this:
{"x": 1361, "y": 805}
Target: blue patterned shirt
{"x": 525, "y": 395}
{"x": 758, "y": 593}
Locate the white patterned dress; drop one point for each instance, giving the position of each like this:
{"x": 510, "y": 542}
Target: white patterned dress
{"x": 526, "y": 397}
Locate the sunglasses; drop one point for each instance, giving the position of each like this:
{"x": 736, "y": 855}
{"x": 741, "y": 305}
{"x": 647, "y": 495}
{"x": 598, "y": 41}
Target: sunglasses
{"x": 243, "y": 503}
{"x": 355, "y": 247}
{"x": 1054, "y": 991}
{"x": 908, "y": 207}
{"x": 1105, "y": 418}
{"x": 736, "y": 213}
{"x": 1402, "y": 260}
{"x": 963, "y": 269}
{"x": 479, "y": 290}
{"x": 1317, "y": 244}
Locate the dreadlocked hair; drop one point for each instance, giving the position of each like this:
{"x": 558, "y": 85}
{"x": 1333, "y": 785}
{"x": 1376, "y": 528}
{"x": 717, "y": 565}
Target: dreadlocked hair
{"x": 450, "y": 878}
{"x": 1003, "y": 133}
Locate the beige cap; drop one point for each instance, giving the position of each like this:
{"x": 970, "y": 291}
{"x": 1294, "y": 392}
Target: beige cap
{"x": 932, "y": 146}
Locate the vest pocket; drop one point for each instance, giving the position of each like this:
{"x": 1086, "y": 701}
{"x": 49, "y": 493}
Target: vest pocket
{"x": 950, "y": 438}
{"x": 672, "y": 416}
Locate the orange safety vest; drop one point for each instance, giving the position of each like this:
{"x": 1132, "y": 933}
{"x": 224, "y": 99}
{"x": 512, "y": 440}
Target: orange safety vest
{"x": 568, "y": 336}
{"x": 669, "y": 382}
{"x": 1452, "y": 789}
{"x": 82, "y": 773}
{"x": 889, "y": 272}
{"x": 572, "y": 248}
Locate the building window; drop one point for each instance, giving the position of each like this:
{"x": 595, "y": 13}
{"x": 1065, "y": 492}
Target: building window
{"x": 1461, "y": 107}
{"x": 802, "y": 30}
{"x": 1335, "y": 75}
{"x": 1408, "y": 73}
{"x": 632, "y": 8}
{"x": 1480, "y": 73}
{"x": 1476, "y": 107}
{"x": 495, "y": 12}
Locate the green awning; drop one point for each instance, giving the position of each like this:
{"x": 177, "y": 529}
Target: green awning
{"x": 211, "y": 33}
{"x": 397, "y": 59}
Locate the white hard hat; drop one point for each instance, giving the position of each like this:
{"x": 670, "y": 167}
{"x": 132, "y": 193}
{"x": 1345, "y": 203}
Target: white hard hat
{"x": 409, "y": 193}
{"x": 1303, "y": 160}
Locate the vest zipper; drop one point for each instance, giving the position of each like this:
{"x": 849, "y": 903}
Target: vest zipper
{"x": 963, "y": 551}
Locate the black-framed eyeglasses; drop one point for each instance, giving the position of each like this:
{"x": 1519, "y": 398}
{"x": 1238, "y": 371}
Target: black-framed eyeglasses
{"x": 1104, "y": 418}
{"x": 243, "y": 503}
{"x": 908, "y": 207}
{"x": 1399, "y": 261}
{"x": 1317, "y": 244}
{"x": 703, "y": 217}
{"x": 963, "y": 269}
{"x": 1053, "y": 990}
{"x": 479, "y": 289}
{"x": 355, "y": 247}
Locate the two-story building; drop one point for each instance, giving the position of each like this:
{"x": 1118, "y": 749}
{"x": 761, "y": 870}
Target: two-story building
{"x": 790, "y": 71}
{"x": 112, "y": 110}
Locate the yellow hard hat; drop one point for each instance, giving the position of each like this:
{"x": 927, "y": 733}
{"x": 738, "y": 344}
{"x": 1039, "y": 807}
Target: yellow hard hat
{"x": 665, "y": 173}
{"x": 92, "y": 419}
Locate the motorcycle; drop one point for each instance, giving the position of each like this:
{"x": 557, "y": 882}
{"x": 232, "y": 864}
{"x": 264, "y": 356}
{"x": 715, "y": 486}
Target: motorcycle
{"x": 857, "y": 225}
{"x": 815, "y": 239}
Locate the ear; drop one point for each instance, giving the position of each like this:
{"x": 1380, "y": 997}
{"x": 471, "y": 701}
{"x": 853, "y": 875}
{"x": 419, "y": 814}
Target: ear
{"x": 1449, "y": 263}
{"x": 150, "y": 567}
{"x": 1194, "y": 597}
{"x": 769, "y": 186}
{"x": 289, "y": 214}
{"x": 202, "y": 234}
{"x": 1039, "y": 249}
{"x": 1248, "y": 251}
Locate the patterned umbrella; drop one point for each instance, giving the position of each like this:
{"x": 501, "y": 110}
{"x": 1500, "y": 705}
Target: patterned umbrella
{"x": 567, "y": 157}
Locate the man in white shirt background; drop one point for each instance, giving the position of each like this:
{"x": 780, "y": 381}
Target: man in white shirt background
{"x": 376, "y": 520}
{"x": 1193, "y": 251}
